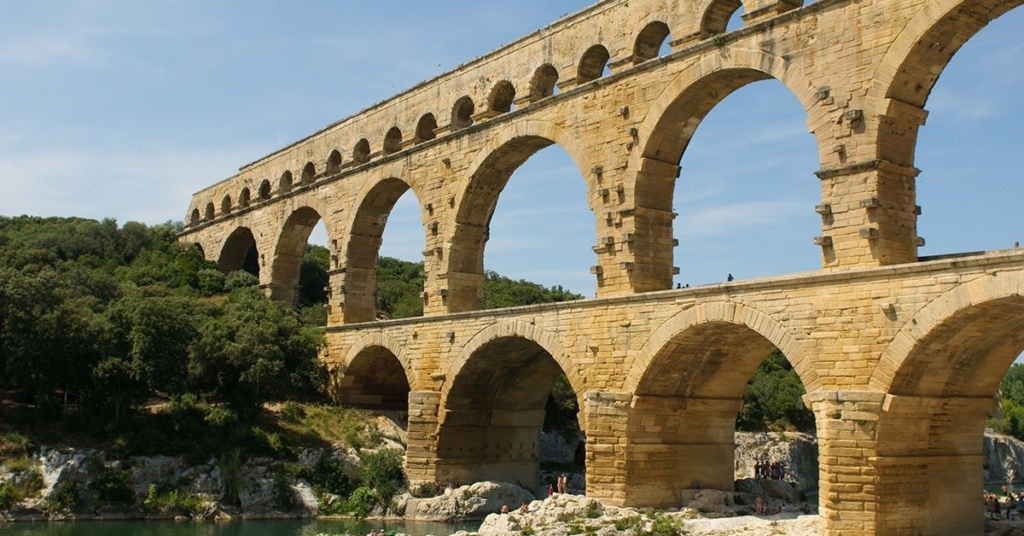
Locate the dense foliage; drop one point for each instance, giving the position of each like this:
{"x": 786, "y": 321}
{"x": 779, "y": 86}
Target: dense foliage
{"x": 773, "y": 399}
{"x": 1011, "y": 419}
{"x": 96, "y": 319}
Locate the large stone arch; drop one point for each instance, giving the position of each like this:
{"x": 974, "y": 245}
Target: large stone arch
{"x": 990, "y": 304}
{"x": 730, "y": 313}
{"x": 687, "y": 389}
{"x": 908, "y": 71}
{"x": 374, "y": 367}
{"x": 477, "y": 198}
{"x": 283, "y": 280}
{"x": 665, "y": 133}
{"x": 492, "y": 409}
{"x": 363, "y": 238}
{"x": 940, "y": 373}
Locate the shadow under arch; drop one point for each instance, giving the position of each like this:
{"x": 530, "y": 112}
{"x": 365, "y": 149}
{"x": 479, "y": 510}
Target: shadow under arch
{"x": 365, "y": 236}
{"x": 289, "y": 250}
{"x": 670, "y": 125}
{"x": 914, "y": 62}
{"x": 941, "y": 372}
{"x": 240, "y": 252}
{"x": 478, "y": 197}
{"x": 493, "y": 404}
{"x": 687, "y": 386}
{"x": 376, "y": 373}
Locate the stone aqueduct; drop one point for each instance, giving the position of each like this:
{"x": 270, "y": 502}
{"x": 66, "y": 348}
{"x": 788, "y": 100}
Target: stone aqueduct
{"x": 900, "y": 356}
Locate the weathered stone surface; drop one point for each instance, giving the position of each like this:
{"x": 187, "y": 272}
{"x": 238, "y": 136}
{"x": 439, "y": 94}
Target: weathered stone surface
{"x": 468, "y": 502}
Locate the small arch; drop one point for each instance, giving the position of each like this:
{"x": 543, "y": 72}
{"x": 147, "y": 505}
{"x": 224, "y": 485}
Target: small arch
{"x": 425, "y": 128}
{"x": 194, "y": 218}
{"x": 502, "y": 96}
{"x": 462, "y": 113}
{"x": 717, "y": 16}
{"x": 334, "y": 162}
{"x": 544, "y": 82}
{"x": 244, "y": 197}
{"x": 264, "y": 191}
{"x": 375, "y": 374}
{"x": 284, "y": 185}
{"x": 393, "y": 141}
{"x": 308, "y": 173}
{"x": 209, "y": 212}
{"x": 225, "y": 205}
{"x": 361, "y": 153}
{"x": 650, "y": 41}
{"x": 239, "y": 252}
{"x": 592, "y": 64}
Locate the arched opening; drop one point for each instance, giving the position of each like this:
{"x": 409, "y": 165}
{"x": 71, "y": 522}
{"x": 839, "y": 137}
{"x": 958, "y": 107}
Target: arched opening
{"x": 361, "y": 152}
{"x": 244, "y": 197}
{"x": 378, "y": 286}
{"x": 225, "y": 205}
{"x": 931, "y": 430}
{"x": 315, "y": 292}
{"x": 393, "y": 141}
{"x": 593, "y": 64}
{"x": 194, "y": 218}
{"x": 290, "y": 254}
{"x": 969, "y": 186}
{"x": 494, "y": 415}
{"x": 722, "y": 16}
{"x": 502, "y": 96}
{"x": 695, "y": 387}
{"x": 265, "y": 189}
{"x": 737, "y": 217}
{"x": 334, "y": 162}
{"x": 462, "y": 113}
{"x": 308, "y": 174}
{"x": 650, "y": 42}
{"x": 209, "y": 215}
{"x": 544, "y": 82}
{"x": 284, "y": 185}
{"x": 374, "y": 379}
{"x": 425, "y": 128}
{"x": 240, "y": 253}
{"x": 548, "y": 192}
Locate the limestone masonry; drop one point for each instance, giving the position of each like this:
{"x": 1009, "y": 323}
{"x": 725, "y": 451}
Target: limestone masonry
{"x": 901, "y": 356}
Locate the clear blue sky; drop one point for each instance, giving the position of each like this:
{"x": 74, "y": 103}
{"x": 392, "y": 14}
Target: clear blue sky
{"x": 118, "y": 108}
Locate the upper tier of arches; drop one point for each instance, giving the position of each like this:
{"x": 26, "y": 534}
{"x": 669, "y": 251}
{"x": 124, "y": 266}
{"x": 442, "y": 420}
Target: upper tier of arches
{"x": 543, "y": 64}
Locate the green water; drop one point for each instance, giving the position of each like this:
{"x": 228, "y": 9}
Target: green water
{"x": 233, "y": 528}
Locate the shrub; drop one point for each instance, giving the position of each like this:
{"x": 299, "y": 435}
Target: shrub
{"x": 627, "y": 523}
{"x": 594, "y": 509}
{"x": 160, "y": 502}
{"x": 65, "y": 500}
{"x": 361, "y": 502}
{"x": 425, "y": 490}
{"x": 666, "y": 526}
{"x": 328, "y": 476}
{"x": 284, "y": 497}
{"x": 113, "y": 486}
{"x": 382, "y": 472}
{"x": 9, "y": 496}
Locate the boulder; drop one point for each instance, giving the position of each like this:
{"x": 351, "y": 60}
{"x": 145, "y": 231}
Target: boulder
{"x": 798, "y": 451}
{"x": 467, "y": 502}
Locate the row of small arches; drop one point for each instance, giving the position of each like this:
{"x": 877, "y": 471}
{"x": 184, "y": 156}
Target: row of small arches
{"x": 593, "y": 64}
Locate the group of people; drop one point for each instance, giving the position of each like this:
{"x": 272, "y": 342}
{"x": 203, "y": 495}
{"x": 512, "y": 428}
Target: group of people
{"x": 772, "y": 470}
{"x": 562, "y": 482}
{"x": 1010, "y": 506}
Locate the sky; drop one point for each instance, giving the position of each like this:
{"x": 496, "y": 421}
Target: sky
{"x": 122, "y": 109}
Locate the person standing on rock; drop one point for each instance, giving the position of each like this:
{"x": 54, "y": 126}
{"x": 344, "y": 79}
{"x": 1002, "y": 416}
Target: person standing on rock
{"x": 551, "y": 490}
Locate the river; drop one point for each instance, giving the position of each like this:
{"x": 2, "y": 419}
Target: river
{"x": 229, "y": 528}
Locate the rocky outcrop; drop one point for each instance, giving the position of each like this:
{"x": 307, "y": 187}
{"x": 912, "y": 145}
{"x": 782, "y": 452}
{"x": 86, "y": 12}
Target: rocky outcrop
{"x": 1004, "y": 459}
{"x": 799, "y": 453}
{"x": 467, "y": 502}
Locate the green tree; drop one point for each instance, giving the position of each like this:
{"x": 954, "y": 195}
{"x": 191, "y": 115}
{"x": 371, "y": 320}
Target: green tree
{"x": 773, "y": 399}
